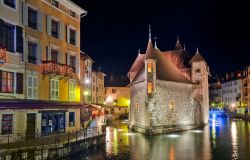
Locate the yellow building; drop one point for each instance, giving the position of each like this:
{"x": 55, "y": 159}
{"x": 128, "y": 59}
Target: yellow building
{"x": 51, "y": 74}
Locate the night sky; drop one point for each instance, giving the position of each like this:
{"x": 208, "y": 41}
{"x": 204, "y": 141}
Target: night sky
{"x": 114, "y": 30}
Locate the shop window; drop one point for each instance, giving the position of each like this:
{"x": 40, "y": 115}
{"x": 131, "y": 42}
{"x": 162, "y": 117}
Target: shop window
{"x": 7, "y": 82}
{"x": 71, "y": 119}
{"x": 7, "y": 124}
{"x": 10, "y": 3}
{"x": 32, "y": 18}
{"x": 150, "y": 87}
{"x": 171, "y": 105}
{"x": 54, "y": 89}
{"x": 150, "y": 67}
{"x": 32, "y": 52}
{"x": 32, "y": 87}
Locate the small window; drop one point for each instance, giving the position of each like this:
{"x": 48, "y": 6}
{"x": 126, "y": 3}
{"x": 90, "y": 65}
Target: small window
{"x": 150, "y": 87}
{"x": 72, "y": 61}
{"x": 137, "y": 106}
{"x": 7, "y": 82}
{"x": 150, "y": 67}
{"x": 197, "y": 71}
{"x": 72, "y": 13}
{"x": 113, "y": 91}
{"x": 71, "y": 119}
{"x": 171, "y": 105}
{"x": 55, "y": 3}
{"x": 10, "y": 3}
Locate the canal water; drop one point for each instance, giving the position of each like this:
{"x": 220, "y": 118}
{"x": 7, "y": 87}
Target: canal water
{"x": 221, "y": 139}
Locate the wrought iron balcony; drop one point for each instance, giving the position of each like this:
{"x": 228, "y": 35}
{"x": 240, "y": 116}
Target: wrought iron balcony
{"x": 3, "y": 55}
{"x": 56, "y": 69}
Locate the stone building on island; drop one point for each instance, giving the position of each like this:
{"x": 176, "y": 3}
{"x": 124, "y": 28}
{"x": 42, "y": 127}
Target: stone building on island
{"x": 169, "y": 90}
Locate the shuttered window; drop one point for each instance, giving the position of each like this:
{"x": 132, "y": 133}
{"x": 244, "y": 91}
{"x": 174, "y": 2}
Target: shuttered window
{"x": 72, "y": 91}
{"x": 54, "y": 89}
{"x": 32, "y": 87}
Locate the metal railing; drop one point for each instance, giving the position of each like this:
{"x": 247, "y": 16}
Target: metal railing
{"x": 14, "y": 141}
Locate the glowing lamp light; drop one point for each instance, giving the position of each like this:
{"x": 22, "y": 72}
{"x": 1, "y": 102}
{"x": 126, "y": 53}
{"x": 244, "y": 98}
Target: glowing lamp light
{"x": 173, "y": 136}
{"x": 109, "y": 99}
{"x": 87, "y": 81}
{"x": 233, "y": 105}
{"x": 85, "y": 93}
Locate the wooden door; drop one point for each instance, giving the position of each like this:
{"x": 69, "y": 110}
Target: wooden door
{"x": 31, "y": 126}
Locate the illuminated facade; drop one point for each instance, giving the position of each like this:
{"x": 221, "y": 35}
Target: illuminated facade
{"x": 98, "y": 90}
{"x": 46, "y": 57}
{"x": 168, "y": 90}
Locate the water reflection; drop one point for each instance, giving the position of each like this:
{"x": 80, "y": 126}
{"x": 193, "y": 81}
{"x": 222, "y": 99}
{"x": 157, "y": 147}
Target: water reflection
{"x": 221, "y": 139}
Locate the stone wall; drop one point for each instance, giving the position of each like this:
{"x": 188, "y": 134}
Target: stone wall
{"x": 155, "y": 116}
{"x": 138, "y": 114}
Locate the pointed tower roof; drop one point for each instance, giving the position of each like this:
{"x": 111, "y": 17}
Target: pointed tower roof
{"x": 150, "y": 47}
{"x": 178, "y": 44}
{"x": 197, "y": 57}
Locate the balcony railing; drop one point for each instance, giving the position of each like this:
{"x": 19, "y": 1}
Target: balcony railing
{"x": 56, "y": 69}
{"x": 3, "y": 55}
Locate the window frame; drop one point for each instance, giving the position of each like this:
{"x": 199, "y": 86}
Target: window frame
{"x": 11, "y": 7}
{"x": 6, "y": 122}
{"x": 33, "y": 25}
{"x": 32, "y": 57}
{"x": 72, "y": 120}
{"x": 55, "y": 34}
{"x": 72, "y": 41}
{"x": 72, "y": 91}
{"x": 9, "y": 82}
{"x": 32, "y": 87}
{"x": 54, "y": 90}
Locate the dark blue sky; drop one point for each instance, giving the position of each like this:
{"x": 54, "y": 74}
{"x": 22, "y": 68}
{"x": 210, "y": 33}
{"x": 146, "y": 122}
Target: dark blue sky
{"x": 114, "y": 30}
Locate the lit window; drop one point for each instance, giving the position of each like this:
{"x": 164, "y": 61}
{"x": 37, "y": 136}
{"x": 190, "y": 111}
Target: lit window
{"x": 150, "y": 67}
{"x": 54, "y": 89}
{"x": 171, "y": 105}
{"x": 32, "y": 87}
{"x": 150, "y": 87}
{"x": 72, "y": 91}
{"x": 7, "y": 82}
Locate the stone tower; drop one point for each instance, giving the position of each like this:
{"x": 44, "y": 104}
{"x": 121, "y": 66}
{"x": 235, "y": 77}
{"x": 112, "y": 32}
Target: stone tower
{"x": 199, "y": 76}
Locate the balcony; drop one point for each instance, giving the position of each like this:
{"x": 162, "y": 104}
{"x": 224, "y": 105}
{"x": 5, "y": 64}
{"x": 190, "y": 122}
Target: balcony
{"x": 3, "y": 56}
{"x": 53, "y": 69}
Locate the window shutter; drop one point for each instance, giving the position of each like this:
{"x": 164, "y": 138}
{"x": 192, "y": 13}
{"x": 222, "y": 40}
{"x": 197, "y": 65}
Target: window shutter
{"x": 25, "y": 14}
{"x": 19, "y": 39}
{"x": 49, "y": 53}
{"x": 19, "y": 83}
{"x": 39, "y": 54}
{"x": 77, "y": 65}
{"x": 40, "y": 21}
{"x": 25, "y": 49}
{"x": 20, "y": 12}
{"x": 48, "y": 25}
{"x": 68, "y": 59}
{"x": 77, "y": 39}
{"x": 68, "y": 35}
{"x": 61, "y": 36}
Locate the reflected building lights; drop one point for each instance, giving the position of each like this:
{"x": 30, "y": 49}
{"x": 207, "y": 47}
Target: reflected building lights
{"x": 171, "y": 153}
{"x": 173, "y": 136}
{"x": 235, "y": 153}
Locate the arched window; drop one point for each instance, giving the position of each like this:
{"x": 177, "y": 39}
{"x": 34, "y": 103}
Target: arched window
{"x": 171, "y": 105}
